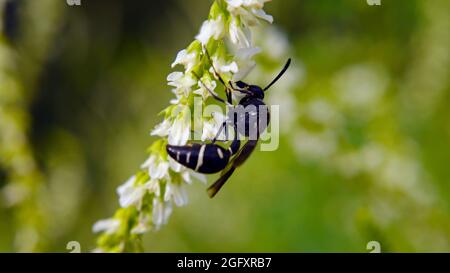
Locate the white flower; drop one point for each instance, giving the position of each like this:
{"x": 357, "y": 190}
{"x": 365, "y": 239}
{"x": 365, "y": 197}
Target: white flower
{"x": 181, "y": 128}
{"x": 212, "y": 125}
{"x": 162, "y": 129}
{"x": 157, "y": 167}
{"x": 223, "y": 67}
{"x": 161, "y": 212}
{"x": 129, "y": 194}
{"x": 153, "y": 186}
{"x": 188, "y": 60}
{"x": 239, "y": 35}
{"x": 177, "y": 193}
{"x": 183, "y": 82}
{"x": 249, "y": 11}
{"x": 203, "y": 91}
{"x": 211, "y": 28}
{"x": 244, "y": 60}
{"x": 109, "y": 226}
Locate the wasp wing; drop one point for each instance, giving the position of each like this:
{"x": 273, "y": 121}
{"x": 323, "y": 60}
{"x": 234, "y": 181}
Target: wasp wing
{"x": 238, "y": 160}
{"x": 214, "y": 188}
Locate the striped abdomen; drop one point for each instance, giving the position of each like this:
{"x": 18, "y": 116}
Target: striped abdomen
{"x": 202, "y": 158}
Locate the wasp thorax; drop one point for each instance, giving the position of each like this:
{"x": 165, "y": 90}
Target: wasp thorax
{"x": 251, "y": 117}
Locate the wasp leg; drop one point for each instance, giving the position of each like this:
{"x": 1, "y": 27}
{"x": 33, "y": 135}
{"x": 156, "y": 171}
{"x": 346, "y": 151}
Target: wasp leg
{"x": 224, "y": 125}
{"x": 227, "y": 89}
{"x": 239, "y": 90}
{"x": 211, "y": 92}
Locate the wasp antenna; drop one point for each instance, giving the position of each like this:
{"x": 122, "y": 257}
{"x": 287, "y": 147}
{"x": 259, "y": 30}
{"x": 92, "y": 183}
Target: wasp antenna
{"x": 279, "y": 74}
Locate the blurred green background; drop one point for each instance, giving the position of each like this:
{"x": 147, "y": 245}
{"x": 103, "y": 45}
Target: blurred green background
{"x": 364, "y": 150}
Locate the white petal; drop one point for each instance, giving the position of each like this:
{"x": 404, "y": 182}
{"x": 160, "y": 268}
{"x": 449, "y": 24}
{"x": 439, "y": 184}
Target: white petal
{"x": 232, "y": 67}
{"x": 127, "y": 186}
{"x": 234, "y": 3}
{"x": 177, "y": 193}
{"x": 244, "y": 70}
{"x": 107, "y": 225}
{"x": 149, "y": 162}
{"x": 174, "y": 76}
{"x": 181, "y": 56}
{"x": 153, "y": 186}
{"x": 237, "y": 35}
{"x": 159, "y": 169}
{"x": 175, "y": 166}
{"x": 132, "y": 197}
{"x": 247, "y": 53}
{"x": 161, "y": 212}
{"x": 162, "y": 129}
{"x": 263, "y": 15}
{"x": 186, "y": 177}
{"x": 181, "y": 129}
{"x": 200, "y": 177}
{"x": 186, "y": 59}
{"x": 205, "y": 32}
{"x": 211, "y": 28}
{"x": 208, "y": 130}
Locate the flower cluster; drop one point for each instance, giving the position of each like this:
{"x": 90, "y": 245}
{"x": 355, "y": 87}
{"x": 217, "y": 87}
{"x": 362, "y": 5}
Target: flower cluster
{"x": 147, "y": 198}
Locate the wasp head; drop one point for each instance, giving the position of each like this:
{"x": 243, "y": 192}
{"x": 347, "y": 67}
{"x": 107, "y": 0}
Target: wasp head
{"x": 254, "y": 90}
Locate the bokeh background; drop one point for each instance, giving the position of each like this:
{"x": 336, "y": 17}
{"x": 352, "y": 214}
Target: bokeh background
{"x": 365, "y": 146}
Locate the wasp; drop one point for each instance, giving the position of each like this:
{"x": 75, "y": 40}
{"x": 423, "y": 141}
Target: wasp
{"x": 209, "y": 158}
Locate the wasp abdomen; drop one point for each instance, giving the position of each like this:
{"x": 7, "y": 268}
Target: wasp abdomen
{"x": 202, "y": 158}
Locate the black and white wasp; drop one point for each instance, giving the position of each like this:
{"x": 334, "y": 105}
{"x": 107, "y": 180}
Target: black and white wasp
{"x": 211, "y": 158}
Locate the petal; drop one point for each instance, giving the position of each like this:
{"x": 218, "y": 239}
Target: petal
{"x": 175, "y": 166}
{"x": 107, "y": 225}
{"x": 232, "y": 67}
{"x": 200, "y": 177}
{"x": 149, "y": 162}
{"x": 127, "y": 186}
{"x": 186, "y": 177}
{"x": 132, "y": 197}
{"x": 161, "y": 212}
{"x": 177, "y": 193}
{"x": 263, "y": 15}
{"x": 237, "y": 35}
{"x": 162, "y": 129}
{"x": 159, "y": 170}
{"x": 181, "y": 57}
{"x": 247, "y": 53}
{"x": 244, "y": 70}
{"x": 174, "y": 76}
{"x": 205, "y": 33}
